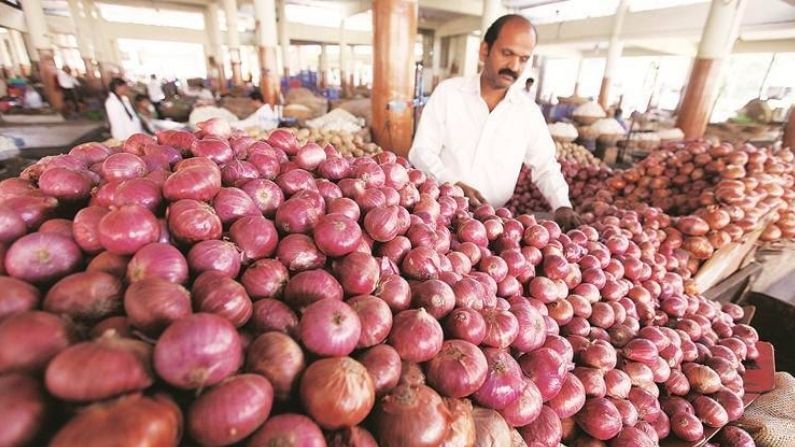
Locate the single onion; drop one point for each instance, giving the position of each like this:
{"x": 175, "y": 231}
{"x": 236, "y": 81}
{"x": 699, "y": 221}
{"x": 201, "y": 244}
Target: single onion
{"x": 158, "y": 260}
{"x": 152, "y": 304}
{"x": 42, "y": 257}
{"x": 290, "y": 429}
{"x": 330, "y": 327}
{"x": 600, "y": 418}
{"x": 85, "y": 296}
{"x": 458, "y": 370}
{"x": 337, "y": 392}
{"x": 416, "y": 335}
{"x": 298, "y": 252}
{"x": 279, "y": 359}
{"x": 29, "y": 340}
{"x": 412, "y": 415}
{"x": 375, "y": 318}
{"x": 570, "y": 399}
{"x": 503, "y": 381}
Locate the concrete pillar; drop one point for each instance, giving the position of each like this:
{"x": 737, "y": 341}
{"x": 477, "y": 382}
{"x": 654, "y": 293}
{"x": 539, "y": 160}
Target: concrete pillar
{"x": 344, "y": 58}
{"x": 323, "y": 66}
{"x": 215, "y": 53}
{"x": 393, "y": 73}
{"x": 40, "y": 40}
{"x": 265, "y": 16}
{"x": 542, "y": 74}
{"x": 233, "y": 40}
{"x": 492, "y": 10}
{"x": 80, "y": 16}
{"x": 613, "y": 53}
{"x": 436, "y": 59}
{"x": 6, "y": 63}
{"x": 102, "y": 45}
{"x": 579, "y": 74}
{"x": 18, "y": 52}
{"x": 284, "y": 40}
{"x": 717, "y": 40}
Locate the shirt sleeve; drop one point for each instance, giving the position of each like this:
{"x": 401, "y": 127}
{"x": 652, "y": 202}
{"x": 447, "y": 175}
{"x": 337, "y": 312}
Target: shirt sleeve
{"x": 118, "y": 123}
{"x": 425, "y": 153}
{"x": 545, "y": 169}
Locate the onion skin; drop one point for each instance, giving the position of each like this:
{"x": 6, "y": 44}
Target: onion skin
{"x": 570, "y": 399}
{"x": 412, "y": 415}
{"x": 600, "y": 419}
{"x": 462, "y": 423}
{"x": 337, "y": 392}
{"x": 288, "y": 429}
{"x": 735, "y": 436}
{"x": 129, "y": 420}
{"x": 231, "y": 410}
{"x": 503, "y": 380}
{"x": 100, "y": 369}
{"x": 215, "y": 255}
{"x": 279, "y": 359}
{"x": 216, "y": 293}
{"x": 545, "y": 431}
{"x": 197, "y": 351}
{"x": 384, "y": 366}
{"x": 126, "y": 230}
{"x": 85, "y": 296}
{"x": 273, "y": 315}
{"x": 687, "y": 427}
{"x": 546, "y": 368}
{"x": 265, "y": 278}
{"x": 29, "y": 340}
{"x": 375, "y": 318}
{"x": 158, "y": 260}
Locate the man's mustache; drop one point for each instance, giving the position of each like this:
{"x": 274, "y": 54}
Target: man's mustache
{"x": 509, "y": 72}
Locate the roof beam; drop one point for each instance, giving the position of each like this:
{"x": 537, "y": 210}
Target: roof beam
{"x": 467, "y": 7}
{"x": 464, "y": 25}
{"x": 764, "y": 46}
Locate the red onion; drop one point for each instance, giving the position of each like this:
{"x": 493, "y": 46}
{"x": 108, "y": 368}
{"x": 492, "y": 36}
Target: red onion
{"x": 687, "y": 427}
{"x": 215, "y": 149}
{"x": 65, "y": 184}
{"x": 330, "y": 328}
{"x": 358, "y": 273}
{"x": 570, "y": 399}
{"x": 702, "y": 379}
{"x": 592, "y": 380}
{"x": 297, "y": 215}
{"x": 198, "y": 351}
{"x": 411, "y": 413}
{"x": 216, "y": 293}
{"x": 22, "y": 409}
{"x": 42, "y": 257}
{"x": 158, "y": 260}
{"x": 617, "y": 383}
{"x": 18, "y": 296}
{"x": 255, "y": 236}
{"x": 600, "y": 419}
{"x": 735, "y": 436}
{"x": 123, "y": 166}
{"x": 416, "y": 335}
{"x": 233, "y": 203}
{"x": 200, "y": 183}
{"x": 85, "y": 296}
{"x": 266, "y": 195}
{"x": 215, "y": 417}
{"x": 292, "y": 429}
{"x": 153, "y": 303}
{"x": 125, "y": 366}
{"x": 33, "y": 209}
{"x": 502, "y": 328}
{"x": 710, "y": 412}
{"x": 312, "y": 285}
{"x": 466, "y": 324}
{"x": 29, "y": 340}
{"x": 503, "y": 381}
{"x": 111, "y": 263}
{"x": 375, "y": 318}
{"x": 279, "y": 358}
{"x": 384, "y": 366}
{"x": 526, "y": 408}
{"x": 544, "y": 431}
{"x": 215, "y": 255}
{"x": 458, "y": 370}
{"x": 337, "y": 392}
{"x": 12, "y": 226}
{"x": 191, "y": 221}
{"x": 646, "y": 403}
{"x": 395, "y": 291}
{"x": 145, "y": 421}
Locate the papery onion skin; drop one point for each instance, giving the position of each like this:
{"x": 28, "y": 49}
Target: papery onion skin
{"x": 154, "y": 303}
{"x": 330, "y": 327}
{"x": 279, "y": 359}
{"x": 29, "y": 340}
{"x": 503, "y": 380}
{"x": 85, "y": 296}
{"x": 42, "y": 257}
{"x": 416, "y": 335}
{"x": 600, "y": 419}
{"x": 458, "y": 370}
{"x": 545, "y": 431}
{"x": 384, "y": 366}
{"x": 337, "y": 392}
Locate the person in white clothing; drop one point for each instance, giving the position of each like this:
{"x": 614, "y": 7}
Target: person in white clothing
{"x": 155, "y": 91}
{"x": 121, "y": 114}
{"x": 477, "y": 131}
{"x": 68, "y": 85}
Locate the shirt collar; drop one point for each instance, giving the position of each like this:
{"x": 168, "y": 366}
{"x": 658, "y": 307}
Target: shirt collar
{"x": 472, "y": 85}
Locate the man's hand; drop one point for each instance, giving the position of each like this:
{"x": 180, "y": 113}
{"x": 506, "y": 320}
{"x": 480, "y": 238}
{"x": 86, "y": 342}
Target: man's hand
{"x": 474, "y": 196}
{"x": 567, "y": 218}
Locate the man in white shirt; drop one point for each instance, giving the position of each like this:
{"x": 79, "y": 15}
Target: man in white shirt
{"x": 476, "y": 132}
{"x": 155, "y": 91}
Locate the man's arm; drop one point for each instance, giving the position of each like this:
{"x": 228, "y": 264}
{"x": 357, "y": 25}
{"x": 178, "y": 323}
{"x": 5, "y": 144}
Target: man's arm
{"x": 425, "y": 153}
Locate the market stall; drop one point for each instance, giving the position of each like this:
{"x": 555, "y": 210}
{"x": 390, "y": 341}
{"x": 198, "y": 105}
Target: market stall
{"x": 156, "y": 288}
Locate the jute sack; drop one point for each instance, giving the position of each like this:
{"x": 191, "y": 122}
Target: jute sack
{"x": 771, "y": 418}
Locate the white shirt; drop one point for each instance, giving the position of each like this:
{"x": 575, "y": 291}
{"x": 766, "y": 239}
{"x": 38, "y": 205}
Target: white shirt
{"x": 65, "y": 80}
{"x": 122, "y": 124}
{"x": 264, "y": 118}
{"x": 459, "y": 140}
{"x": 155, "y": 91}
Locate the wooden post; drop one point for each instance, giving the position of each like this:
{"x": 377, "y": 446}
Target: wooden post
{"x": 613, "y": 53}
{"x": 284, "y": 40}
{"x": 393, "y": 73}
{"x": 720, "y": 33}
{"x": 789, "y": 130}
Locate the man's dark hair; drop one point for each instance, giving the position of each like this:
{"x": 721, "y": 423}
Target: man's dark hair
{"x": 493, "y": 32}
{"x": 529, "y": 82}
{"x": 139, "y": 97}
{"x": 256, "y": 95}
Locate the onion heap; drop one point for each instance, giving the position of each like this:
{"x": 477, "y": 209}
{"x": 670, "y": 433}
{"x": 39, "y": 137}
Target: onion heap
{"x": 183, "y": 300}
{"x": 584, "y": 173}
